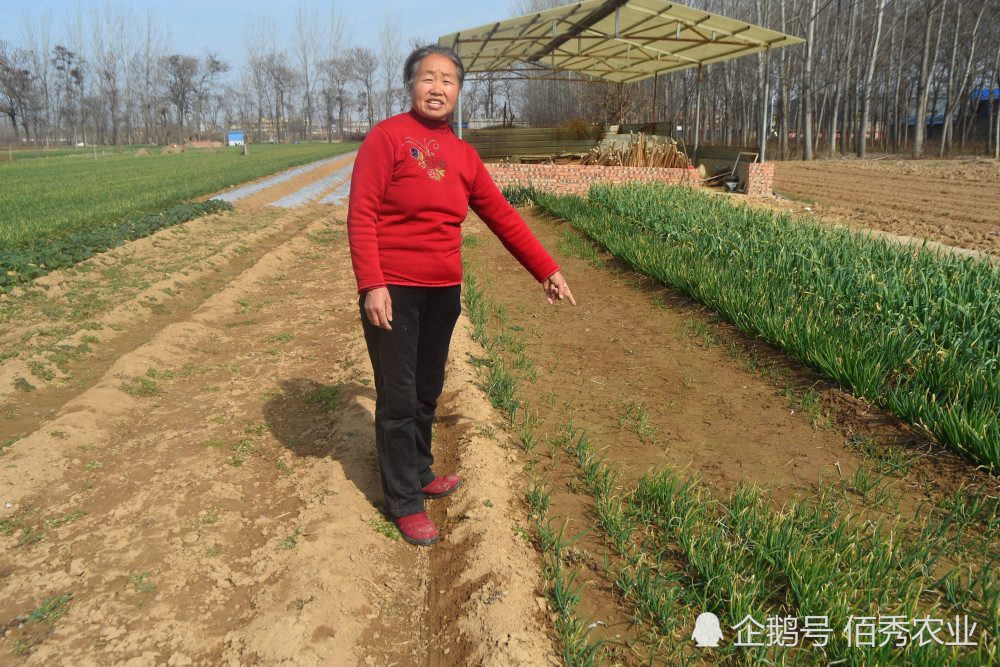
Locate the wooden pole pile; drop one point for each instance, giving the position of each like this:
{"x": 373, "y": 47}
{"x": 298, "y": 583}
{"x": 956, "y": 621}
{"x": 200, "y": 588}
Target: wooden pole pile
{"x": 640, "y": 152}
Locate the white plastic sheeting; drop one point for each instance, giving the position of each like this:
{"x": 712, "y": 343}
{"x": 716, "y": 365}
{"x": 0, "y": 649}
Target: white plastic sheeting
{"x": 254, "y": 188}
{"x": 312, "y": 191}
{"x": 341, "y": 194}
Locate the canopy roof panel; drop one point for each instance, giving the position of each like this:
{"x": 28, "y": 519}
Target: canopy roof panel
{"x": 617, "y": 40}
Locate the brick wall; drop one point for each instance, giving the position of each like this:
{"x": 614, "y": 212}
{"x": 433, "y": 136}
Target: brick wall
{"x": 576, "y": 179}
{"x": 760, "y": 178}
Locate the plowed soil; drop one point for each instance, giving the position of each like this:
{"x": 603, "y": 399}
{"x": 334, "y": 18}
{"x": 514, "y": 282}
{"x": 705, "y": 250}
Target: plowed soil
{"x": 187, "y": 465}
{"x": 199, "y": 474}
{"x": 950, "y": 202}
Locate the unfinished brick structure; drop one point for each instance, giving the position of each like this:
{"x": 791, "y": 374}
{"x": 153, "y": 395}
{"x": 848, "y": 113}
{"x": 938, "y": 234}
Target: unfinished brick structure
{"x": 575, "y": 179}
{"x": 760, "y": 178}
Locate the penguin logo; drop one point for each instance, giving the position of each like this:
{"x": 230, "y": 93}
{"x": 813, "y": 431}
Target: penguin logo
{"x": 706, "y": 630}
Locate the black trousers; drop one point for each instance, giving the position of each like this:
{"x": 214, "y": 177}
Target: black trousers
{"x": 409, "y": 374}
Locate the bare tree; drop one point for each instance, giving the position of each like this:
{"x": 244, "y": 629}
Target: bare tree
{"x": 785, "y": 85}
{"x": 927, "y": 59}
{"x": 957, "y": 86}
{"x": 105, "y": 78}
{"x": 73, "y": 29}
{"x": 283, "y": 82}
{"x": 867, "y": 86}
{"x": 337, "y": 40}
{"x": 146, "y": 65}
{"x": 37, "y": 37}
{"x": 364, "y": 63}
{"x": 259, "y": 41}
{"x": 107, "y": 31}
{"x": 180, "y": 72}
{"x": 20, "y": 89}
{"x": 64, "y": 62}
{"x": 126, "y": 34}
{"x": 8, "y": 106}
{"x": 336, "y": 77}
{"x": 807, "y": 82}
{"x": 390, "y": 59}
{"x": 899, "y": 113}
{"x": 306, "y": 32}
{"x": 844, "y": 83}
{"x": 336, "y": 73}
{"x": 242, "y": 102}
{"x": 211, "y": 66}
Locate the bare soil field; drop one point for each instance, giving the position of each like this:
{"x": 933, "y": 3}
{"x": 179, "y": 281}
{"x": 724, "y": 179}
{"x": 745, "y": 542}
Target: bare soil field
{"x": 187, "y": 465}
{"x": 194, "y": 481}
{"x": 951, "y": 202}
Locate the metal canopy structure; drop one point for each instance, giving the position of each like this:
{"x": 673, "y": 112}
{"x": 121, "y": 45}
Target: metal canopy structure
{"x": 616, "y": 40}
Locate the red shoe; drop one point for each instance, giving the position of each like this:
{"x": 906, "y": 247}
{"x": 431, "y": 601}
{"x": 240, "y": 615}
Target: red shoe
{"x": 417, "y": 529}
{"x": 442, "y": 486}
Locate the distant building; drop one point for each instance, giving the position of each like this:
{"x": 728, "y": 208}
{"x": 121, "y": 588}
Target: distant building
{"x": 236, "y": 138}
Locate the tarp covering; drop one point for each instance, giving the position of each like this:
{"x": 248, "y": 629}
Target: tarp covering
{"x": 616, "y": 40}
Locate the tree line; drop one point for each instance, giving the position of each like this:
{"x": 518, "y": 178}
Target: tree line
{"x": 109, "y": 77}
{"x": 908, "y": 76}
{"x": 869, "y": 68}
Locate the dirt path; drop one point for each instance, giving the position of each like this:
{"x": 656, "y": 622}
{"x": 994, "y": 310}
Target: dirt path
{"x": 187, "y": 472}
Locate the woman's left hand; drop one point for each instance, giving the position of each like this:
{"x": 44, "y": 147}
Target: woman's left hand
{"x": 556, "y": 289}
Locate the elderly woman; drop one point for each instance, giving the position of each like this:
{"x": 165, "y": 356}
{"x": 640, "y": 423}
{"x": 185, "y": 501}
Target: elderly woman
{"x": 413, "y": 184}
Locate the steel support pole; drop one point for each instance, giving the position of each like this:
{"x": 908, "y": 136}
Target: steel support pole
{"x": 621, "y": 105}
{"x": 458, "y": 112}
{"x": 765, "y": 121}
{"x": 656, "y": 80}
{"x": 697, "y": 117}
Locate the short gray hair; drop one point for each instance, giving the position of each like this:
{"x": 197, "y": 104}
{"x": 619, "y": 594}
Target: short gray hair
{"x": 413, "y": 62}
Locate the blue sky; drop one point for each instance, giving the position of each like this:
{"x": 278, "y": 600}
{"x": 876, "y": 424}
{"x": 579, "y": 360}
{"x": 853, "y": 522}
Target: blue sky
{"x": 218, "y": 24}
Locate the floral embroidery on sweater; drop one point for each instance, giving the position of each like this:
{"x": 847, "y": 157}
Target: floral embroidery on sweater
{"x": 423, "y": 154}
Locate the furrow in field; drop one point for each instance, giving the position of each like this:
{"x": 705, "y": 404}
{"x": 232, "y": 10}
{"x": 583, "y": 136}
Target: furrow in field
{"x": 318, "y": 188}
{"x": 209, "y": 493}
{"x": 253, "y": 188}
{"x": 264, "y": 199}
{"x": 341, "y": 194}
{"x": 187, "y": 271}
{"x": 134, "y": 291}
{"x": 654, "y": 381}
{"x": 945, "y": 202}
{"x": 216, "y": 536}
{"x": 212, "y": 494}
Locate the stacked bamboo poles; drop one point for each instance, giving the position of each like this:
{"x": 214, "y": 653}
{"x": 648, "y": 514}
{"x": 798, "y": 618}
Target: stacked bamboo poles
{"x": 640, "y": 152}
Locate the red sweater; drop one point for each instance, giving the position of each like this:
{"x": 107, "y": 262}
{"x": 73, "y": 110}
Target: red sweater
{"x": 413, "y": 184}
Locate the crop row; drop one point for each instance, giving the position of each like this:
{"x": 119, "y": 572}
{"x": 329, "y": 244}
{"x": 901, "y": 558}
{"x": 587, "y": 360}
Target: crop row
{"x": 914, "y": 331}
{"x": 8, "y": 154}
{"x": 47, "y": 199}
{"x": 502, "y": 381}
{"x": 853, "y": 572}
{"x": 814, "y": 582}
{"x": 40, "y": 256}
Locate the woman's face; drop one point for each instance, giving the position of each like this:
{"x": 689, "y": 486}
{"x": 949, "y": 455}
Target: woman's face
{"x": 435, "y": 87}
